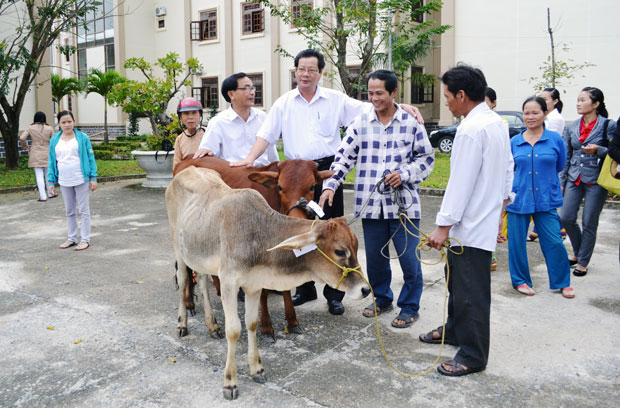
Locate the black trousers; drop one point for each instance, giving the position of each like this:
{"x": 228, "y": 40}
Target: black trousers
{"x": 336, "y": 210}
{"x": 469, "y": 305}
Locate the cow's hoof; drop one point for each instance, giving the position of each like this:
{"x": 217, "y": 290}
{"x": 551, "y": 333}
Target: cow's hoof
{"x": 295, "y": 330}
{"x": 259, "y": 377}
{"x": 182, "y": 331}
{"x": 216, "y": 334}
{"x": 192, "y": 311}
{"x": 269, "y": 338}
{"x": 231, "y": 392}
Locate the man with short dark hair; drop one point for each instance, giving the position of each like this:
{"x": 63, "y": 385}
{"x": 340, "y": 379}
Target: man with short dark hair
{"x": 480, "y": 185}
{"x": 386, "y": 143}
{"x": 231, "y": 133}
{"x": 309, "y": 119}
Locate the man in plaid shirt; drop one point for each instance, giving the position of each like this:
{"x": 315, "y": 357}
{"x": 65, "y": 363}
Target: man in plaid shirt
{"x": 388, "y": 142}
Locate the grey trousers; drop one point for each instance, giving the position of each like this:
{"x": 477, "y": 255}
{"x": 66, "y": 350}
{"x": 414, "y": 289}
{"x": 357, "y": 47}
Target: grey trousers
{"x": 77, "y": 199}
{"x": 582, "y": 239}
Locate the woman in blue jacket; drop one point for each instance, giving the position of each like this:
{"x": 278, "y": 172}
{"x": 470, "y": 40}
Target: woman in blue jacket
{"x": 586, "y": 141}
{"x": 72, "y": 165}
{"x": 539, "y": 155}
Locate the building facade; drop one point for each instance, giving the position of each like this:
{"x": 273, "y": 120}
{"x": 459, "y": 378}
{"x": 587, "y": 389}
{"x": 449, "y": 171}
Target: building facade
{"x": 507, "y": 39}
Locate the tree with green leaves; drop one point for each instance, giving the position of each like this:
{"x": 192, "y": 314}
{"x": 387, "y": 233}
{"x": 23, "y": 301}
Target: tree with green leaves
{"x": 62, "y": 87}
{"x": 344, "y": 26}
{"x": 151, "y": 96}
{"x": 38, "y": 23}
{"x": 102, "y": 83}
{"x": 406, "y": 52}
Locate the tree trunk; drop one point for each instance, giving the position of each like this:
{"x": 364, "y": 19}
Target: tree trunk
{"x": 105, "y": 120}
{"x": 11, "y": 145}
{"x": 154, "y": 125}
{"x": 9, "y": 127}
{"x": 553, "y": 74}
{"x": 341, "y": 53}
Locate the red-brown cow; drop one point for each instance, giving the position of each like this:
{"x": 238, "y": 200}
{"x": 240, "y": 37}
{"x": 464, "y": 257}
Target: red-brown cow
{"x": 282, "y": 185}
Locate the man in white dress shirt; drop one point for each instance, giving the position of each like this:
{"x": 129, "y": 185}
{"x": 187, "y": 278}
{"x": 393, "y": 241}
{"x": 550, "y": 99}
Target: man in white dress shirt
{"x": 480, "y": 185}
{"x": 231, "y": 133}
{"x": 309, "y": 119}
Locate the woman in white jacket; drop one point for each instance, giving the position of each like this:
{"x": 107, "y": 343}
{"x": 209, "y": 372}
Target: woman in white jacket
{"x": 554, "y": 121}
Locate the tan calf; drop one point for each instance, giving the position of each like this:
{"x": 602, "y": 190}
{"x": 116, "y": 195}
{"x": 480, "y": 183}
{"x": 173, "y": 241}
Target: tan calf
{"x": 235, "y": 235}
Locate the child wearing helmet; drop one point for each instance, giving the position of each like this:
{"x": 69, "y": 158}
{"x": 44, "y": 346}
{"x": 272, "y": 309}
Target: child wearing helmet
{"x": 190, "y": 116}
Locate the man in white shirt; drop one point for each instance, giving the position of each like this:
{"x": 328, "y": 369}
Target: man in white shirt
{"x": 231, "y": 133}
{"x": 309, "y": 119}
{"x": 480, "y": 185}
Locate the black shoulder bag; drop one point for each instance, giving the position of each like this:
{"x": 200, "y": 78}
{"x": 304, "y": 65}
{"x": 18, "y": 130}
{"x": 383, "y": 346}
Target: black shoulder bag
{"x": 166, "y": 145}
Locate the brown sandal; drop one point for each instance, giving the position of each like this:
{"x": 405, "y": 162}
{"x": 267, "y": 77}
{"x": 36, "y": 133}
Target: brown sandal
{"x": 430, "y": 337}
{"x": 457, "y": 369}
{"x": 67, "y": 244}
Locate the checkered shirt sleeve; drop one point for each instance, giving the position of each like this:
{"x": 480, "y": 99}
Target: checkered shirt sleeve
{"x": 376, "y": 150}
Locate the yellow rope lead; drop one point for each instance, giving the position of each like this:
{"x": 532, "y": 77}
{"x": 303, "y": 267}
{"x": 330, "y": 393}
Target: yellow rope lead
{"x": 422, "y": 246}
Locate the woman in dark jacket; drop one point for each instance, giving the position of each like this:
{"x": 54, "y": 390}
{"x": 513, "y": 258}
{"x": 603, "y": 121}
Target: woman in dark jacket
{"x": 614, "y": 145}
{"x": 586, "y": 142}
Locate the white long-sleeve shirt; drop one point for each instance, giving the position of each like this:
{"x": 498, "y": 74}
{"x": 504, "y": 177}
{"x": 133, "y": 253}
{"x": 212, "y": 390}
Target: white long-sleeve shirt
{"x": 481, "y": 173}
{"x": 555, "y": 122}
{"x": 310, "y": 130}
{"x": 229, "y": 137}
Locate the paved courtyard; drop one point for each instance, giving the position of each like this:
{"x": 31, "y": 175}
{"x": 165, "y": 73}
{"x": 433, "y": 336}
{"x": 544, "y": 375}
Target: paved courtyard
{"x": 98, "y": 328}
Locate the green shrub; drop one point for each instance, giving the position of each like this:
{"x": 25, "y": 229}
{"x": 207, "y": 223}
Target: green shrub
{"x": 104, "y": 154}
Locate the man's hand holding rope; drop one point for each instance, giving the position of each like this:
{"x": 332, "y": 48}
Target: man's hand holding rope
{"x": 437, "y": 238}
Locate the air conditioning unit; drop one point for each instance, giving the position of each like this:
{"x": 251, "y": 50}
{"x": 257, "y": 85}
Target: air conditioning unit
{"x": 160, "y": 11}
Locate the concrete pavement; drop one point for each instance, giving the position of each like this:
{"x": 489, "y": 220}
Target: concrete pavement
{"x": 98, "y": 328}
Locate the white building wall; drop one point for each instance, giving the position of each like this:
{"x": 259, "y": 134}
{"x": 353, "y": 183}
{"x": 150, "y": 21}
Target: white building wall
{"x": 508, "y": 40}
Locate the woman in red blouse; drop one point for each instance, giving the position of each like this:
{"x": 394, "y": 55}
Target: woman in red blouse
{"x": 586, "y": 142}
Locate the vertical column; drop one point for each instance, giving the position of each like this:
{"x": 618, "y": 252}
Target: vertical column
{"x": 447, "y": 42}
{"x": 275, "y": 61}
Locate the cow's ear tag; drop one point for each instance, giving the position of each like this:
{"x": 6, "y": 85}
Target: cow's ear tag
{"x": 316, "y": 208}
{"x": 304, "y": 250}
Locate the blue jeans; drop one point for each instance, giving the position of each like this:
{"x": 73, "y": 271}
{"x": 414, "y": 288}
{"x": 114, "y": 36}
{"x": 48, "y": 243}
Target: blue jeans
{"x": 376, "y": 234}
{"x": 553, "y": 248}
{"x": 582, "y": 239}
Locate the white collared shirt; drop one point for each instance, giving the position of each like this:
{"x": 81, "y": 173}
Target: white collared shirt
{"x": 555, "y": 122}
{"x": 231, "y": 138}
{"x": 310, "y": 130}
{"x": 481, "y": 173}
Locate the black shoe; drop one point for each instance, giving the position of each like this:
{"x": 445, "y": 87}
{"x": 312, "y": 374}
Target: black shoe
{"x": 335, "y": 307}
{"x": 572, "y": 262}
{"x": 578, "y": 272}
{"x": 300, "y": 299}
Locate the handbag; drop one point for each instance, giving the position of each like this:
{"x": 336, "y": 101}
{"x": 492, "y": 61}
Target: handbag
{"x": 608, "y": 177}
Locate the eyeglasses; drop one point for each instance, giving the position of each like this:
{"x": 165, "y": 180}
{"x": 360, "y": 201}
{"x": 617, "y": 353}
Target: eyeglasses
{"x": 247, "y": 88}
{"x": 310, "y": 71}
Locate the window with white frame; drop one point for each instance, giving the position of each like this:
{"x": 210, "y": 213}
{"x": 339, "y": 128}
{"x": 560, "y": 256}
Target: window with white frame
{"x": 252, "y": 18}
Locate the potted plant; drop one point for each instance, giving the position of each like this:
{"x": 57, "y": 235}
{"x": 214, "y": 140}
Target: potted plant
{"x": 150, "y": 98}
{"x": 155, "y": 159}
